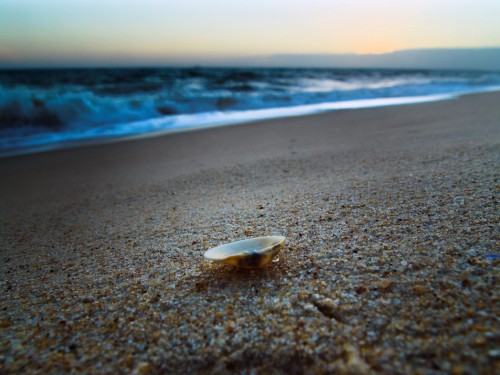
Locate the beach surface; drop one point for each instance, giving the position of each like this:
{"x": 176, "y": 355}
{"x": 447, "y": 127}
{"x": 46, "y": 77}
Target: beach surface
{"x": 391, "y": 263}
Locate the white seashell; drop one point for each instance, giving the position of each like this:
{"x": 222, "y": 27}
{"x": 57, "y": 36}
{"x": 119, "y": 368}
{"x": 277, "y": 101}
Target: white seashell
{"x": 252, "y": 253}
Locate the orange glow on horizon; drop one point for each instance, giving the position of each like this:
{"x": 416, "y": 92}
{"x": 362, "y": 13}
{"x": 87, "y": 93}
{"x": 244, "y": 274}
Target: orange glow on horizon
{"x": 378, "y": 47}
{"x": 373, "y": 51}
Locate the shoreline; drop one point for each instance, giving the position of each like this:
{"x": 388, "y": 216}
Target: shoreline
{"x": 390, "y": 214}
{"x": 216, "y": 120}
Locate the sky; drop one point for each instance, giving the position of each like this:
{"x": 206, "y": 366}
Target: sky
{"x": 72, "y": 32}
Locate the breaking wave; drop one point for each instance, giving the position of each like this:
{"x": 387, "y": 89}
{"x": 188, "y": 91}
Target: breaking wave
{"x": 40, "y": 108}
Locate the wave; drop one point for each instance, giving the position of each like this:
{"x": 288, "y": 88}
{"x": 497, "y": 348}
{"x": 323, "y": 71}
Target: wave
{"x": 40, "y": 108}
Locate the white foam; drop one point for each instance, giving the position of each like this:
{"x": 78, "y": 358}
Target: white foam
{"x": 180, "y": 123}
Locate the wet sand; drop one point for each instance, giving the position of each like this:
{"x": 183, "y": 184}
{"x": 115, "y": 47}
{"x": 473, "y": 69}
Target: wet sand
{"x": 392, "y": 221}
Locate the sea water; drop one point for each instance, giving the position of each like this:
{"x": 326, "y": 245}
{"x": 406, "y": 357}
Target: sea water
{"x": 44, "y": 109}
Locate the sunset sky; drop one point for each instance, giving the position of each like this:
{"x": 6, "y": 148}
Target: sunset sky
{"x": 128, "y": 31}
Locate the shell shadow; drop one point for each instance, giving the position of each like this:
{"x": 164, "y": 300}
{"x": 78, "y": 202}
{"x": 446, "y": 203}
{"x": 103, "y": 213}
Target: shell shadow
{"x": 224, "y": 277}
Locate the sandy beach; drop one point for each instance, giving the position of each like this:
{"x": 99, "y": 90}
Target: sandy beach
{"x": 391, "y": 263}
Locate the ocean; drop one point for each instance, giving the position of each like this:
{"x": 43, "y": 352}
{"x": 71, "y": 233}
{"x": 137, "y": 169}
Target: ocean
{"x": 47, "y": 109}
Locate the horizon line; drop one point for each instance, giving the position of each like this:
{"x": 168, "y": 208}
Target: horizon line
{"x": 362, "y": 61}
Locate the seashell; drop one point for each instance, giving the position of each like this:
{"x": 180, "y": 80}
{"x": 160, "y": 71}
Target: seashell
{"x": 251, "y": 253}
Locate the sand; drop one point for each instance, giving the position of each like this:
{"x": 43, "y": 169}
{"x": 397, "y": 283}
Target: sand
{"x": 391, "y": 265}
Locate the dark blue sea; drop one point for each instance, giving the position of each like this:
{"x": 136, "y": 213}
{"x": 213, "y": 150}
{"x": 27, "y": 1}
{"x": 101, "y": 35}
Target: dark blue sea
{"x": 46, "y": 109}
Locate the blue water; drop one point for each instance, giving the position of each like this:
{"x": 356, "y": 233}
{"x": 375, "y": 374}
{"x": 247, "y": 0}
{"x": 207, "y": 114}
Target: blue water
{"x": 43, "y": 109}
